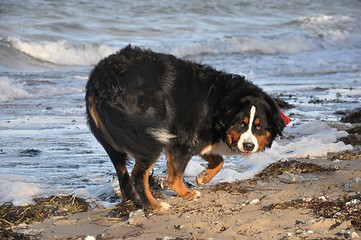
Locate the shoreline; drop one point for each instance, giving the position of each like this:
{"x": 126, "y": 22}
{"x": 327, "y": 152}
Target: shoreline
{"x": 300, "y": 198}
{"x": 262, "y": 208}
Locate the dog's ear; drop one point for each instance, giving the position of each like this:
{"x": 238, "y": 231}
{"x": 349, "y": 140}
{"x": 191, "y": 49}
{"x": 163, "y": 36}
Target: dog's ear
{"x": 275, "y": 117}
{"x": 225, "y": 114}
{"x": 228, "y": 109}
{"x": 223, "y": 118}
{"x": 278, "y": 123}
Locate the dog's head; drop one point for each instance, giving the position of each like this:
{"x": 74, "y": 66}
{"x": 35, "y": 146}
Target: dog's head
{"x": 252, "y": 124}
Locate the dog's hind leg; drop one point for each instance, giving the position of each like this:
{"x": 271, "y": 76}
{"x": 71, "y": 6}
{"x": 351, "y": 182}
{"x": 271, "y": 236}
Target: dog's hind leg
{"x": 115, "y": 152}
{"x": 176, "y": 164}
{"x": 119, "y": 160}
{"x": 140, "y": 177}
{"x": 214, "y": 166}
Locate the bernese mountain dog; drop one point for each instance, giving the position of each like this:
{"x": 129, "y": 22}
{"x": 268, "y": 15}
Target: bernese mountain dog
{"x": 140, "y": 103}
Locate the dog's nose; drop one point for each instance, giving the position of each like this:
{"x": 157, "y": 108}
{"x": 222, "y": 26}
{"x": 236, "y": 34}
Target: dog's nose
{"x": 248, "y": 146}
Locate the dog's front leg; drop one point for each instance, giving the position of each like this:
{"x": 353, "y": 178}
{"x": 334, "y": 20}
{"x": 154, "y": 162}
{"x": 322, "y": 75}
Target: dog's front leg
{"x": 214, "y": 166}
{"x": 176, "y": 164}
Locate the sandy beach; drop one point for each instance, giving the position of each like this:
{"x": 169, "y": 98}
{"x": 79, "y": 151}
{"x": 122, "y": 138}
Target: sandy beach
{"x": 300, "y": 199}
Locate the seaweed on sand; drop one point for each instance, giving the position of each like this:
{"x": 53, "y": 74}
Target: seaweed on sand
{"x": 62, "y": 205}
{"x": 122, "y": 210}
{"x": 345, "y": 208}
{"x": 347, "y": 155}
{"x": 292, "y": 166}
{"x": 352, "y": 116}
{"x": 230, "y": 187}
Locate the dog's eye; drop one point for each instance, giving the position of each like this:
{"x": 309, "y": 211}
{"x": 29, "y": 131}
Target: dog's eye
{"x": 258, "y": 127}
{"x": 243, "y": 124}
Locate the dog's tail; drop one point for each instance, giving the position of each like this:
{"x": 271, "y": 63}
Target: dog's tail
{"x": 136, "y": 135}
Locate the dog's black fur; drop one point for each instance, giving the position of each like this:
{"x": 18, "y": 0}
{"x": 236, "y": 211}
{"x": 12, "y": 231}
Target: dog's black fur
{"x": 140, "y": 102}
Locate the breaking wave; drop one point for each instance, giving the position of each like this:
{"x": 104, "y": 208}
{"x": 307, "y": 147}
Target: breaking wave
{"x": 62, "y": 52}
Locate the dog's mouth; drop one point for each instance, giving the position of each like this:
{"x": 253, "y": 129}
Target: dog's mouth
{"x": 235, "y": 150}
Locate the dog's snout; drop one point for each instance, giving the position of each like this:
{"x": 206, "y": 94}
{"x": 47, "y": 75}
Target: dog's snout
{"x": 248, "y": 146}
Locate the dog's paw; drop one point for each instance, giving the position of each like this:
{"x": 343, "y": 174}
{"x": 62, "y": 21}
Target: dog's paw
{"x": 200, "y": 180}
{"x": 191, "y": 194}
{"x": 160, "y": 207}
{"x": 164, "y": 206}
{"x": 197, "y": 193}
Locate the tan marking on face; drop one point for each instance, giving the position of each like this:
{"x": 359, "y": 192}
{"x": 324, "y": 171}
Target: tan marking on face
{"x": 233, "y": 137}
{"x": 246, "y": 120}
{"x": 263, "y": 140}
{"x": 257, "y": 121}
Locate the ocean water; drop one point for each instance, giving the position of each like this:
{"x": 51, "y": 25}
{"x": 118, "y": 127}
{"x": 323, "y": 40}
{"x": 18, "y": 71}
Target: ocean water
{"x": 306, "y": 52}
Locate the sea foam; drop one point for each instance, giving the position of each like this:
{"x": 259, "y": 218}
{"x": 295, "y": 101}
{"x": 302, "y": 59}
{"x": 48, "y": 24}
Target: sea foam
{"x": 10, "y": 90}
{"x": 17, "y": 189}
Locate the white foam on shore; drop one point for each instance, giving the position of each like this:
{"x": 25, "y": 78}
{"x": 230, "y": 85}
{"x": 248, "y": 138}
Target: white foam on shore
{"x": 18, "y": 189}
{"x": 99, "y": 193}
